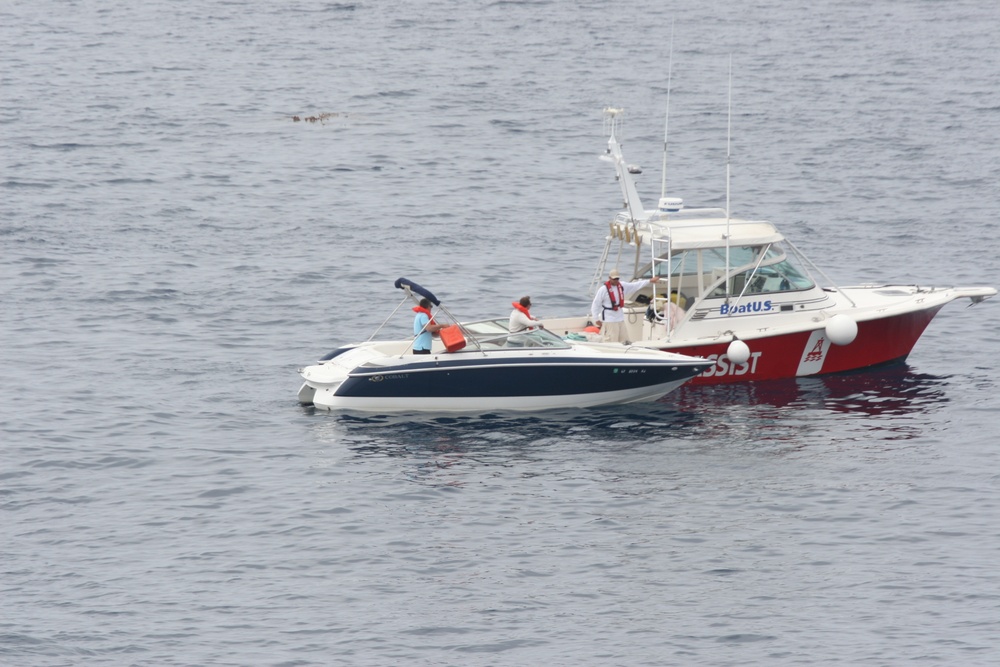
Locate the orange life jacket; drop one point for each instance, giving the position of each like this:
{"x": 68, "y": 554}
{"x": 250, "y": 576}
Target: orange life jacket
{"x": 518, "y": 306}
{"x": 421, "y": 309}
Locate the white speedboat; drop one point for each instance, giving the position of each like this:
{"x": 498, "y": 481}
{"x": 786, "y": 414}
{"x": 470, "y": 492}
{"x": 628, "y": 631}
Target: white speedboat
{"x": 748, "y": 300}
{"x": 481, "y": 366}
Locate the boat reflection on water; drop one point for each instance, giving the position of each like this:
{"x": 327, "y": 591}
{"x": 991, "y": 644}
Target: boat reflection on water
{"x": 891, "y": 391}
{"x": 509, "y": 431}
{"x": 444, "y": 449}
{"x": 861, "y": 410}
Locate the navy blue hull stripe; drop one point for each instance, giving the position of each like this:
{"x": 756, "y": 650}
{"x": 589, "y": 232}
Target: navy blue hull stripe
{"x": 482, "y": 364}
{"x": 518, "y": 381}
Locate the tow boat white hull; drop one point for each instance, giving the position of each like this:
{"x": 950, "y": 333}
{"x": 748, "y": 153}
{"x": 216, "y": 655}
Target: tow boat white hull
{"x": 736, "y": 292}
{"x": 889, "y": 319}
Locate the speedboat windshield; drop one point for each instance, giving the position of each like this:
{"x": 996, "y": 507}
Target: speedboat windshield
{"x": 493, "y": 334}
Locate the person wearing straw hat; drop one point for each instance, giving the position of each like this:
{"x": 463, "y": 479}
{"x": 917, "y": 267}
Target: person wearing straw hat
{"x": 607, "y": 310}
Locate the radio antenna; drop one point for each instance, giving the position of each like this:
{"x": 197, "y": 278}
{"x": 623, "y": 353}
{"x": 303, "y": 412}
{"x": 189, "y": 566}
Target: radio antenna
{"x": 666, "y": 118}
{"x": 729, "y": 133}
{"x": 729, "y": 136}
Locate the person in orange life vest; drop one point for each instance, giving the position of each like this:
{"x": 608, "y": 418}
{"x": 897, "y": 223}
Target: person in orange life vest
{"x": 520, "y": 318}
{"x": 424, "y": 327}
{"x": 607, "y": 308}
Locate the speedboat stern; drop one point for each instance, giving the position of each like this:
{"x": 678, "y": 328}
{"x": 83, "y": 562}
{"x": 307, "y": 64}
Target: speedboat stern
{"x": 320, "y": 379}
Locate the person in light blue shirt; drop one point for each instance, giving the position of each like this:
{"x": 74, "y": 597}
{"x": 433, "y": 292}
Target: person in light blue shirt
{"x": 424, "y": 327}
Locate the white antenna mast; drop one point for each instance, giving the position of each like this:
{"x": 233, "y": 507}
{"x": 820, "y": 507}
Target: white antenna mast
{"x": 729, "y": 135}
{"x": 666, "y": 119}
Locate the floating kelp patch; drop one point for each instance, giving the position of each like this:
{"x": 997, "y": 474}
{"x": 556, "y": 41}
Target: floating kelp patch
{"x": 319, "y": 118}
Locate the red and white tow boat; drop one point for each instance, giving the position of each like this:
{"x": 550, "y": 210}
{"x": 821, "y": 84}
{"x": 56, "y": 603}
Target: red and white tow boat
{"x": 751, "y": 302}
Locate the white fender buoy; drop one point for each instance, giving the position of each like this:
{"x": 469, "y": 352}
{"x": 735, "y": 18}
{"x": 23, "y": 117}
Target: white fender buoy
{"x": 738, "y": 352}
{"x": 841, "y": 330}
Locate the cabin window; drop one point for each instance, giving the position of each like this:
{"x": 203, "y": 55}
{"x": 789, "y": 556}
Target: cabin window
{"x": 686, "y": 262}
{"x": 715, "y": 258}
{"x": 777, "y": 271}
{"x": 683, "y": 263}
{"x": 780, "y": 277}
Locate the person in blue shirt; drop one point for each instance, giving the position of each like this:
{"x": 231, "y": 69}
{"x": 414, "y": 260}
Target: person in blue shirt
{"x": 424, "y": 327}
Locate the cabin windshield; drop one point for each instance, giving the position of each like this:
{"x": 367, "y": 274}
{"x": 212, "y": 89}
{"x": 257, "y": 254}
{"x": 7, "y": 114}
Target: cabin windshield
{"x": 681, "y": 263}
{"x": 782, "y": 276}
{"x": 714, "y": 259}
{"x": 685, "y": 262}
{"x": 693, "y": 270}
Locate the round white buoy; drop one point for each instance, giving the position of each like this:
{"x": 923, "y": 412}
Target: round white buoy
{"x": 738, "y": 352}
{"x": 842, "y": 330}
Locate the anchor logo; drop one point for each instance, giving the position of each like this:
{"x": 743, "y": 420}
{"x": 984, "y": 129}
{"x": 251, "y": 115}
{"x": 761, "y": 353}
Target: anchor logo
{"x": 816, "y": 354}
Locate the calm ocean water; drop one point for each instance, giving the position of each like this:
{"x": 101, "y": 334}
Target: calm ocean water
{"x": 175, "y": 245}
